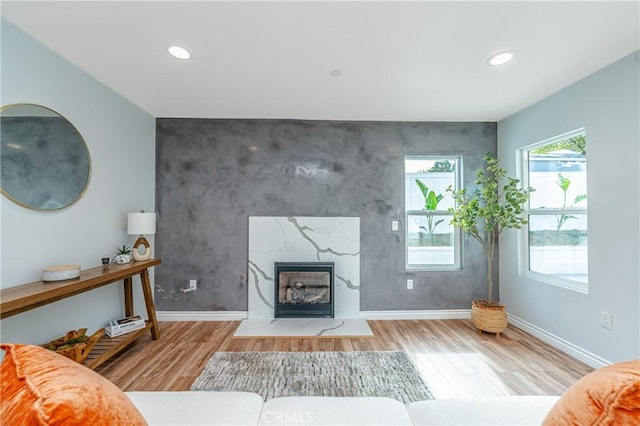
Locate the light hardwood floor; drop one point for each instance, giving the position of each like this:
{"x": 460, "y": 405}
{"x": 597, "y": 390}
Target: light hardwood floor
{"x": 453, "y": 358}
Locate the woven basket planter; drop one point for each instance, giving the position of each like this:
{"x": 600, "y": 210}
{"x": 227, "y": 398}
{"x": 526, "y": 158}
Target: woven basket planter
{"x": 488, "y": 318}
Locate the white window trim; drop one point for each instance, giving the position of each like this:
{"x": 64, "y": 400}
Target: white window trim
{"x": 522, "y": 168}
{"x": 457, "y": 235}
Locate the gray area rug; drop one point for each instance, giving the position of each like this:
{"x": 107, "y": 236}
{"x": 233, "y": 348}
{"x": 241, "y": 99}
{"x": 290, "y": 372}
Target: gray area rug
{"x": 276, "y": 374}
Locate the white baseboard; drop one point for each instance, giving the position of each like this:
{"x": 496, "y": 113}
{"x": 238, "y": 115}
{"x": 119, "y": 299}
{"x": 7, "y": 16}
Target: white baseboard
{"x": 416, "y": 314}
{"x": 201, "y": 315}
{"x": 569, "y": 348}
{"x": 372, "y": 315}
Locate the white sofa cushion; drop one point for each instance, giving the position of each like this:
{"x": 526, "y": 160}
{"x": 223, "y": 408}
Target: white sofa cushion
{"x": 502, "y": 410}
{"x": 320, "y": 410}
{"x": 198, "y": 408}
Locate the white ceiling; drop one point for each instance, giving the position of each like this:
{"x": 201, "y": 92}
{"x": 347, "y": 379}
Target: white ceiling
{"x": 415, "y": 61}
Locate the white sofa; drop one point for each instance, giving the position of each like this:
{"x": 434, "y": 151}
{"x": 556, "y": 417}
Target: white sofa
{"x": 243, "y": 408}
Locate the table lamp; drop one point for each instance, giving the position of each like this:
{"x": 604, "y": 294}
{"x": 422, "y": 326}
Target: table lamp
{"x": 141, "y": 224}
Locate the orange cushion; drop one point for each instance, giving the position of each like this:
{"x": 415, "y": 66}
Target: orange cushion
{"x": 607, "y": 396}
{"x": 40, "y": 387}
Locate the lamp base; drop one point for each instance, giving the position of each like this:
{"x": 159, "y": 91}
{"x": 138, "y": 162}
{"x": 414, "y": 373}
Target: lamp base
{"x": 146, "y": 254}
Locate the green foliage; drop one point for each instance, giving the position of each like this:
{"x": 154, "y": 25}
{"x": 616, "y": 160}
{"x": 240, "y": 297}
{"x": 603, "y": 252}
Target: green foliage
{"x": 123, "y": 250}
{"x": 564, "y": 184}
{"x": 576, "y": 144}
{"x": 431, "y": 201}
{"x": 495, "y": 205}
{"x": 416, "y": 239}
{"x": 552, "y": 238}
{"x": 442, "y": 166}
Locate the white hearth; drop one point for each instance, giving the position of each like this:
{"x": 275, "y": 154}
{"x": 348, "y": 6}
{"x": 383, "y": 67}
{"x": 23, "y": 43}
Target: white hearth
{"x": 304, "y": 239}
{"x": 304, "y": 327}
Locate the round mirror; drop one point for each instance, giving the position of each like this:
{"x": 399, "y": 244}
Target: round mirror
{"x": 45, "y": 163}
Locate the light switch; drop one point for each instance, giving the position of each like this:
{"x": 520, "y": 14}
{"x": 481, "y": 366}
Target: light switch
{"x": 394, "y": 225}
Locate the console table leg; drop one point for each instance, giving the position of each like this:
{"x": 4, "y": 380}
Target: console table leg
{"x": 128, "y": 297}
{"x": 148, "y": 301}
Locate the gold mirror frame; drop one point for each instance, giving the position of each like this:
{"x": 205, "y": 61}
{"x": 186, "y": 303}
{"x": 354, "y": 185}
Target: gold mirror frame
{"x": 44, "y": 161}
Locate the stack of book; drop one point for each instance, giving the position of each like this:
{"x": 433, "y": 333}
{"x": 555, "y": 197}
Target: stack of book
{"x": 125, "y": 325}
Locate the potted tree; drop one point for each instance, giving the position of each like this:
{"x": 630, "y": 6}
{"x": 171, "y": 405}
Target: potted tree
{"x": 495, "y": 205}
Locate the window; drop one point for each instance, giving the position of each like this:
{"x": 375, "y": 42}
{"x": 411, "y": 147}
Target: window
{"x": 555, "y": 241}
{"x": 431, "y": 242}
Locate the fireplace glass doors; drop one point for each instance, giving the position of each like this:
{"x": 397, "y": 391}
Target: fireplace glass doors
{"x": 304, "y": 290}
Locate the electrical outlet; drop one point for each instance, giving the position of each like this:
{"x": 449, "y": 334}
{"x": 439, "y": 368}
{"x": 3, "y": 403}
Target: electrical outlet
{"x": 193, "y": 284}
{"x": 606, "y": 320}
{"x": 394, "y": 225}
{"x": 409, "y": 284}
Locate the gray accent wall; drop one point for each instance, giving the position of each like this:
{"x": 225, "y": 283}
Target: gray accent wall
{"x": 211, "y": 175}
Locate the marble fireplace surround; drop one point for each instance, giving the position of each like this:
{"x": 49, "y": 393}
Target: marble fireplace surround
{"x": 303, "y": 239}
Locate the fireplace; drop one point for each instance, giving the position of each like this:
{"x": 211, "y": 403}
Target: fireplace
{"x": 304, "y": 290}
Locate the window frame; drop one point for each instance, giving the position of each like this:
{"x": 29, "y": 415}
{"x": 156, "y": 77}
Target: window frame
{"x": 457, "y": 235}
{"x": 524, "y": 253}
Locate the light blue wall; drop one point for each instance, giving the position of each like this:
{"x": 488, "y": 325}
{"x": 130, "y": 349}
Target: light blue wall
{"x": 121, "y": 141}
{"x": 607, "y": 105}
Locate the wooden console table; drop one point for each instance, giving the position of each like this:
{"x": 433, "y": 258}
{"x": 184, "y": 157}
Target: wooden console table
{"x": 23, "y": 298}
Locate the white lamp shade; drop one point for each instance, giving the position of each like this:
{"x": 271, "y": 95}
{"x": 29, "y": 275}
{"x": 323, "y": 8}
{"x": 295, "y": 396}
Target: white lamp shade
{"x": 141, "y": 223}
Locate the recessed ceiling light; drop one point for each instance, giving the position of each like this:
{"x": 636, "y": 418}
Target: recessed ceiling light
{"x": 179, "y": 52}
{"x": 501, "y": 58}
